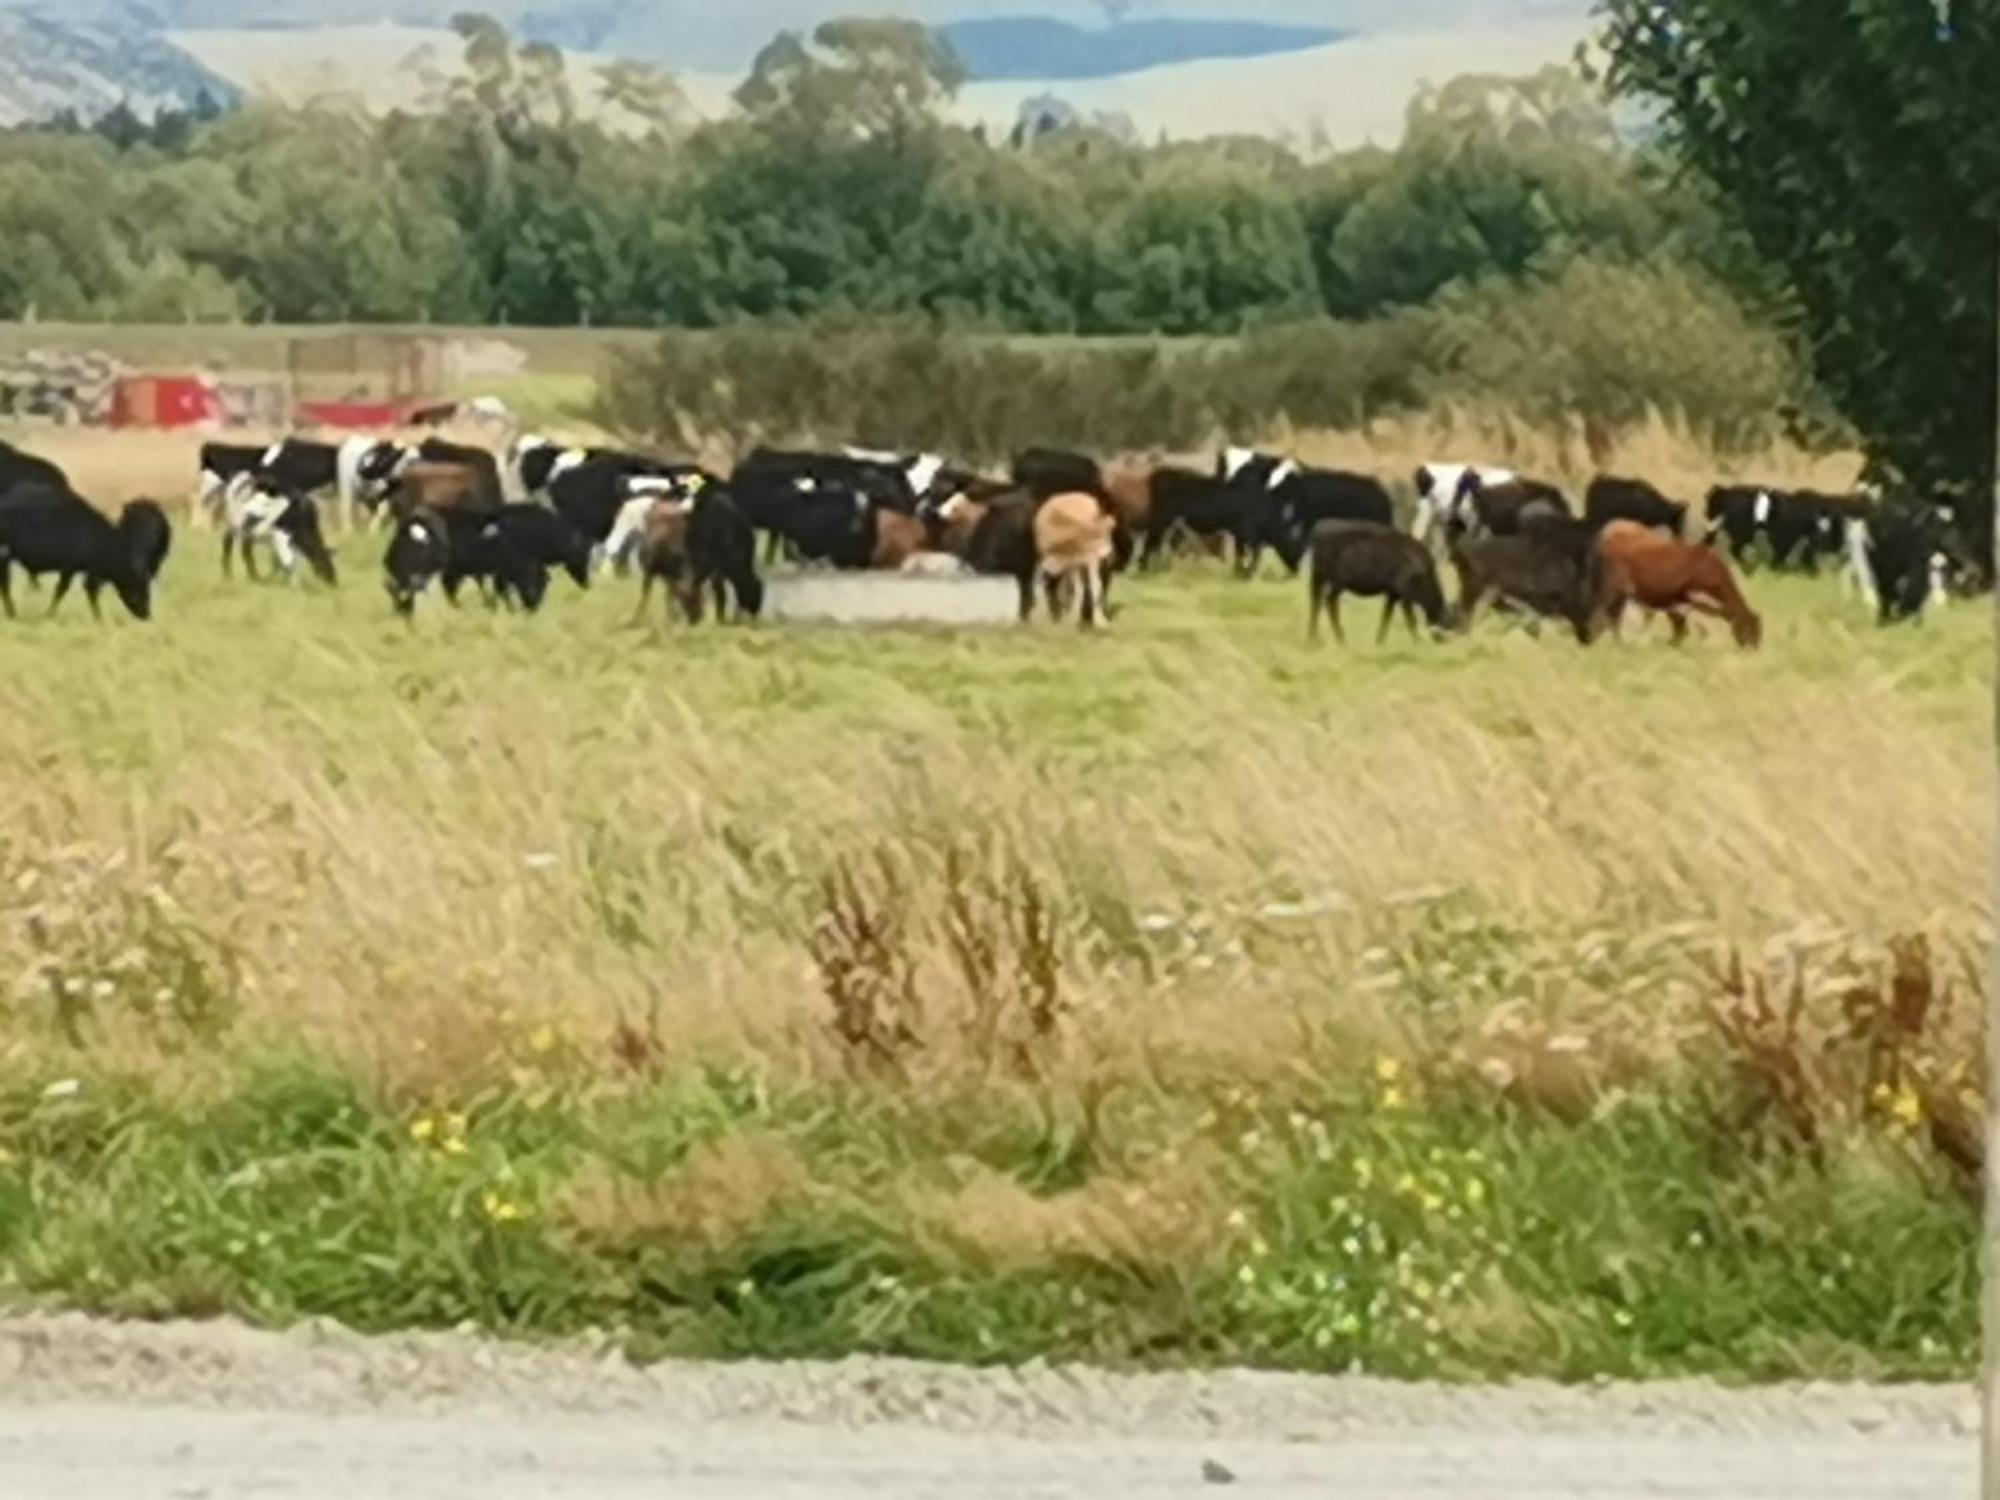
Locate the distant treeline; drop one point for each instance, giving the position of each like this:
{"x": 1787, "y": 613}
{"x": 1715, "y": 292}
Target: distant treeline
{"x": 837, "y": 191}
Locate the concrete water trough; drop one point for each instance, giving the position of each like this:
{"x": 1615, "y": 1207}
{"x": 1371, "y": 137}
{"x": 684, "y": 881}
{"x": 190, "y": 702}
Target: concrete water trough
{"x": 891, "y": 599}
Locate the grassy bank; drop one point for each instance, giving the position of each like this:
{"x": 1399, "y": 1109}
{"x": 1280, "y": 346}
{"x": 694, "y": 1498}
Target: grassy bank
{"x": 1184, "y": 996}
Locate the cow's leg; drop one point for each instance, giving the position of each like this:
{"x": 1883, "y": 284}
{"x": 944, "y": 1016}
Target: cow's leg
{"x": 645, "y": 596}
{"x": 1388, "y": 619}
{"x": 7, "y": 585}
{"x": 1333, "y": 614}
{"x": 1410, "y": 619}
{"x": 1313, "y": 602}
{"x": 1680, "y": 624}
{"x": 228, "y": 549}
{"x": 1026, "y": 583}
{"x": 91, "y": 589}
{"x": 62, "y": 590}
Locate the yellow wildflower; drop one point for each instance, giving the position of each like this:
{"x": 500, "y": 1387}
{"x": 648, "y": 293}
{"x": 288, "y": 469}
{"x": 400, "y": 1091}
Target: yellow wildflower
{"x": 454, "y": 1146}
{"x": 499, "y": 1210}
{"x": 1392, "y": 1098}
{"x": 1364, "y": 1171}
{"x": 1475, "y": 1192}
{"x": 1388, "y": 1070}
{"x": 1907, "y": 1109}
{"x": 422, "y": 1128}
{"x": 543, "y": 1040}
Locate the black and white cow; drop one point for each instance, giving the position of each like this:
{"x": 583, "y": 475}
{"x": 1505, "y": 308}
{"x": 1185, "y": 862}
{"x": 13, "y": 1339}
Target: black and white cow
{"x": 255, "y": 512}
{"x": 1444, "y": 491}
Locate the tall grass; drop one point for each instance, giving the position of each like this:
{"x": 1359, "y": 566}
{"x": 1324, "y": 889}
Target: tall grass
{"x": 1185, "y": 995}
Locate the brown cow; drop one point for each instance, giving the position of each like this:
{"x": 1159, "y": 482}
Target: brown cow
{"x": 1074, "y": 543}
{"x": 1672, "y": 577}
{"x": 663, "y": 557}
{"x": 437, "y": 487}
{"x": 898, "y": 538}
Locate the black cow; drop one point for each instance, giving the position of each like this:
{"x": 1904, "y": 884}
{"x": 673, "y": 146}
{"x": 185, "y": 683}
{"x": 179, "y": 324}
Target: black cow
{"x": 49, "y": 529}
{"x": 1908, "y": 547}
{"x": 492, "y": 549}
{"x": 722, "y": 551}
{"x": 550, "y": 539}
{"x": 1552, "y": 570}
{"x": 1047, "y": 472}
{"x": 895, "y": 484}
{"x": 1306, "y": 498}
{"x": 1610, "y": 499}
{"x": 418, "y": 555}
{"x": 1375, "y": 561}
{"x": 1247, "y": 513}
{"x": 1002, "y": 544}
{"x": 18, "y": 469}
{"x": 1499, "y": 509}
{"x": 802, "y": 506}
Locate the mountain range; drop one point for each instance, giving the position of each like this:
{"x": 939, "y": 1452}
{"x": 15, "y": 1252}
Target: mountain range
{"x": 1268, "y": 67}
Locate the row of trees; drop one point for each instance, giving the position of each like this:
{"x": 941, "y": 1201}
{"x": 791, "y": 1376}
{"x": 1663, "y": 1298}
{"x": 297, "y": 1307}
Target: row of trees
{"x": 838, "y": 189}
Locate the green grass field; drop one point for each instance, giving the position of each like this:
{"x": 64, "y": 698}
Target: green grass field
{"x": 1181, "y": 996}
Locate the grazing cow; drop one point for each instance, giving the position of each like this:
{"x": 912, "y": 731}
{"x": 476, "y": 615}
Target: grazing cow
{"x": 1048, "y": 472}
{"x": 545, "y": 539}
{"x": 287, "y": 522}
{"x": 1073, "y": 547}
{"x": 223, "y": 463}
{"x": 1904, "y": 552}
{"x": 1671, "y": 577}
{"x": 18, "y": 468}
{"x": 1609, "y": 499}
{"x": 1547, "y": 572}
{"x": 49, "y": 529}
{"x": 145, "y": 523}
{"x": 1442, "y": 489}
{"x": 418, "y": 555}
{"x": 1376, "y": 561}
{"x": 1500, "y": 509}
{"x": 495, "y": 549}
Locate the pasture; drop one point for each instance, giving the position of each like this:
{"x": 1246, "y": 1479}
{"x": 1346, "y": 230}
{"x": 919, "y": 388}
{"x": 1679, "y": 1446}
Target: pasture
{"x": 1185, "y": 994}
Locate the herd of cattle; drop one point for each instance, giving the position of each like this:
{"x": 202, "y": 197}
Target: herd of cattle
{"x": 1060, "y": 524}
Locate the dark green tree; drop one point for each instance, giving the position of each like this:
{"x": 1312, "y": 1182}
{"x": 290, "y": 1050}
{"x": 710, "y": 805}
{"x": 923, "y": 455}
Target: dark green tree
{"x": 1856, "y": 143}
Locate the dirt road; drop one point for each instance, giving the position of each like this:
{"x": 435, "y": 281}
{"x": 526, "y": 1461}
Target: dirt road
{"x": 91, "y": 1412}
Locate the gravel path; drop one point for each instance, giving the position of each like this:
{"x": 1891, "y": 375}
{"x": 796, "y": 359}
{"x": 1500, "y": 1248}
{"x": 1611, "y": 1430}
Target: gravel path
{"x": 92, "y": 1411}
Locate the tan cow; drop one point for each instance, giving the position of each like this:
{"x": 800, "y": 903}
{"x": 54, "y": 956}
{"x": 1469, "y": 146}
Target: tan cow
{"x": 1074, "y": 544}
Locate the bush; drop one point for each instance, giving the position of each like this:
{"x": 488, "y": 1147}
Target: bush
{"x": 1598, "y": 343}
